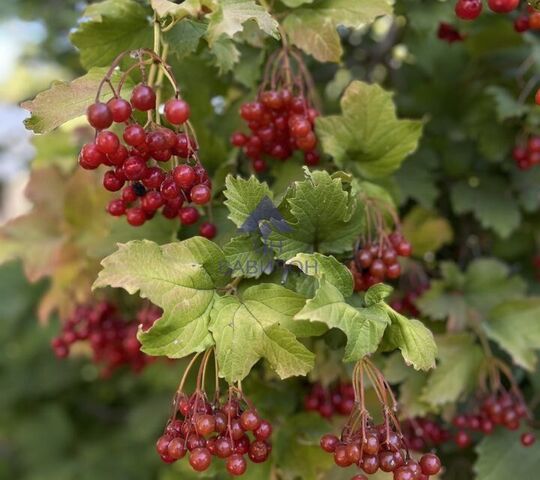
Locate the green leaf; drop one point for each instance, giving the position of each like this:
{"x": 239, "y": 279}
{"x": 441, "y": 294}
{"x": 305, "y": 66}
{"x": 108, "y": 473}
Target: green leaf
{"x": 506, "y": 103}
{"x": 184, "y": 37}
{"x": 491, "y": 202}
{"x": 314, "y": 29}
{"x": 501, "y": 456}
{"x": 413, "y": 338}
{"x": 65, "y": 101}
{"x": 359, "y": 139}
{"x": 248, "y": 257}
{"x": 527, "y": 186}
{"x": 250, "y": 328}
{"x": 179, "y": 277}
{"x": 515, "y": 327}
{"x": 416, "y": 179}
{"x": 230, "y": 16}
{"x": 377, "y": 293}
{"x": 296, "y": 3}
{"x": 112, "y": 27}
{"x": 243, "y": 197}
{"x": 327, "y": 268}
{"x": 322, "y": 216}
{"x": 364, "y": 327}
{"x": 226, "y": 54}
{"x": 188, "y": 8}
{"x": 457, "y": 371}
{"x": 426, "y": 230}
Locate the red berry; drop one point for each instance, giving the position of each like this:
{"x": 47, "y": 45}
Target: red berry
{"x": 468, "y": 9}
{"x": 134, "y": 168}
{"x": 307, "y": 143}
{"x": 208, "y": 230}
{"x": 156, "y": 141}
{"x": 116, "y": 208}
{"x": 205, "y": 424}
{"x": 299, "y": 126}
{"x": 236, "y": 465}
{"x": 120, "y": 109}
{"x": 200, "y": 194}
{"x": 153, "y": 178}
{"x": 188, "y": 215}
{"x": 528, "y": 439}
{"x": 258, "y": 451}
{"x": 264, "y": 431}
{"x": 107, "y": 142}
{"x": 238, "y": 139}
{"x": 259, "y": 165}
{"x": 134, "y": 135}
{"x": 184, "y": 176}
{"x": 111, "y": 182}
{"x": 177, "y": 111}
{"x": 311, "y": 158}
{"x": 185, "y": 146}
{"x": 521, "y": 24}
{"x": 99, "y": 115}
{"x": 341, "y": 458}
{"x": 250, "y": 421}
{"x": 176, "y": 448}
{"x": 143, "y": 98}
{"x": 404, "y": 249}
{"x": 200, "y": 459}
{"x": 503, "y": 6}
{"x": 135, "y": 216}
{"x": 393, "y": 271}
{"x": 463, "y": 440}
{"x": 169, "y": 189}
{"x": 430, "y": 464}
{"x": 151, "y": 201}
{"x": 90, "y": 157}
{"x": 162, "y": 444}
{"x": 119, "y": 156}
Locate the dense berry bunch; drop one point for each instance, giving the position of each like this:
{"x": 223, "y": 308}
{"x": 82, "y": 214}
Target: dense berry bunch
{"x": 139, "y": 163}
{"x": 449, "y": 33}
{"x": 376, "y": 447}
{"x": 328, "y": 402}
{"x": 423, "y": 433}
{"x": 112, "y": 338}
{"x": 229, "y": 430}
{"x": 527, "y": 156}
{"x": 506, "y": 409}
{"x": 280, "y": 123}
{"x": 375, "y": 262}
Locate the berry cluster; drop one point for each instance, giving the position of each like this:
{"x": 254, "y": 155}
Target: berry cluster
{"x": 376, "y": 261}
{"x": 449, "y": 33}
{"x": 112, "y": 338}
{"x": 282, "y": 118}
{"x": 136, "y": 165}
{"x": 471, "y": 9}
{"x": 330, "y": 401}
{"x": 218, "y": 429}
{"x": 423, "y": 433}
{"x": 527, "y": 156}
{"x": 505, "y": 409}
{"x": 376, "y": 447}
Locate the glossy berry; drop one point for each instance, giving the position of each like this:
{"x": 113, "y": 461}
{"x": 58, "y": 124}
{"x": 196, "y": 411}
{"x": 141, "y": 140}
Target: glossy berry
{"x": 91, "y": 157}
{"x": 176, "y": 449}
{"x": 116, "y": 208}
{"x": 200, "y": 459}
{"x": 143, "y": 98}
{"x": 188, "y": 215}
{"x": 184, "y": 176}
{"x": 528, "y": 439}
{"x": 200, "y": 194}
{"x": 135, "y": 216}
{"x": 134, "y": 135}
{"x": 120, "y": 109}
{"x": 264, "y": 431}
{"x": 111, "y": 182}
{"x": 208, "y": 230}
{"x": 468, "y": 9}
{"x": 430, "y": 464}
{"x": 250, "y": 421}
{"x": 258, "y": 451}
{"x": 107, "y": 142}
{"x": 238, "y": 139}
{"x": 99, "y": 116}
{"x": 177, "y": 111}
{"x": 236, "y": 465}
{"x": 503, "y": 6}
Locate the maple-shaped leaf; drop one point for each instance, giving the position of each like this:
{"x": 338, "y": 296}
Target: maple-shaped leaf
{"x": 250, "y": 327}
{"x": 181, "y": 278}
{"x": 313, "y": 28}
{"x": 360, "y": 138}
{"x": 321, "y": 215}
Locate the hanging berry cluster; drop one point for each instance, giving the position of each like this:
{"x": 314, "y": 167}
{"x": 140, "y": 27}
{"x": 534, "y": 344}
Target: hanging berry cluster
{"x": 376, "y": 253}
{"x": 157, "y": 167}
{"x": 376, "y": 447}
{"x": 528, "y": 155}
{"x": 228, "y": 428}
{"x": 282, "y": 118}
{"x": 499, "y": 407}
{"x": 328, "y": 402}
{"x": 112, "y": 338}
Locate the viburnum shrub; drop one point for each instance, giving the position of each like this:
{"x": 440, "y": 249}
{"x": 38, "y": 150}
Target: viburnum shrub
{"x": 360, "y": 299}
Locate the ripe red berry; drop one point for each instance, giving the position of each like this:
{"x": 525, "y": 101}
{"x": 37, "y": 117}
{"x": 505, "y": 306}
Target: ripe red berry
{"x": 250, "y": 421}
{"x": 99, "y": 115}
{"x": 503, "y": 6}
{"x": 134, "y": 135}
{"x": 264, "y": 431}
{"x": 463, "y": 440}
{"x": 134, "y": 168}
{"x": 236, "y": 465}
{"x": 208, "y": 230}
{"x": 107, "y": 142}
{"x": 111, "y": 182}
{"x": 238, "y": 139}
{"x": 119, "y": 156}
{"x": 116, "y": 208}
{"x": 143, "y": 98}
{"x": 528, "y": 439}
{"x": 205, "y": 424}
{"x": 120, "y": 109}
{"x": 521, "y": 24}
{"x": 430, "y": 464}
{"x": 176, "y": 448}
{"x": 184, "y": 176}
{"x": 177, "y": 111}
{"x": 153, "y": 178}
{"x": 200, "y": 194}
{"x": 151, "y": 201}
{"x": 169, "y": 189}
{"x": 90, "y": 157}
{"x": 188, "y": 215}
{"x": 156, "y": 140}
{"x": 468, "y": 9}
{"x": 162, "y": 444}
{"x": 200, "y": 459}
{"x": 258, "y": 451}
{"x": 135, "y": 216}
{"x": 311, "y": 158}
